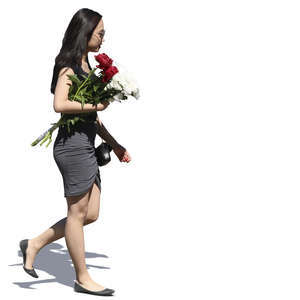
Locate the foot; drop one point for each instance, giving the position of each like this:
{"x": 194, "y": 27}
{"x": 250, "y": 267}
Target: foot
{"x": 31, "y": 251}
{"x": 90, "y": 284}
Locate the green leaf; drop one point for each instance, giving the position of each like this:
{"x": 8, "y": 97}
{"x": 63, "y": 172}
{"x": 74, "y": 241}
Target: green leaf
{"x": 75, "y": 79}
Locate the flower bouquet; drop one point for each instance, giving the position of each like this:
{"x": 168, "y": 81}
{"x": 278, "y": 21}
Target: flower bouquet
{"x": 109, "y": 85}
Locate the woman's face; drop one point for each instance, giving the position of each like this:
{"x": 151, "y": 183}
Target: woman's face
{"x": 96, "y": 39}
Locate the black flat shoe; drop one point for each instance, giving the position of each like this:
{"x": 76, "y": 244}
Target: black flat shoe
{"x": 80, "y": 289}
{"x": 23, "y": 246}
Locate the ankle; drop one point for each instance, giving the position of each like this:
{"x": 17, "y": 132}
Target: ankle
{"x": 82, "y": 278}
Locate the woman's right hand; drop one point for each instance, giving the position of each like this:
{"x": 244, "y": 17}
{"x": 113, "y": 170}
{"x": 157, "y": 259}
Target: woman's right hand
{"x": 102, "y": 105}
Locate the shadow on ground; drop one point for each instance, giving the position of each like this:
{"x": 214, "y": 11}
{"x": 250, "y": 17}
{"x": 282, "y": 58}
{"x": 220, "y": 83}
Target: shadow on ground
{"x": 55, "y": 261}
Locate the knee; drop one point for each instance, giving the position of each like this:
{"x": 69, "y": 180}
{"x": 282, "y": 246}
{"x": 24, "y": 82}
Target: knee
{"x": 91, "y": 218}
{"x": 79, "y": 216}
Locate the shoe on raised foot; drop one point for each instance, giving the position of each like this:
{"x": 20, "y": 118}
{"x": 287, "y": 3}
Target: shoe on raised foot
{"x": 80, "y": 289}
{"x": 23, "y": 246}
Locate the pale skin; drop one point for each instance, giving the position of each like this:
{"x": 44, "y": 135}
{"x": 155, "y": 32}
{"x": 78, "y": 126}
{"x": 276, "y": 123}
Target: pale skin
{"x": 83, "y": 209}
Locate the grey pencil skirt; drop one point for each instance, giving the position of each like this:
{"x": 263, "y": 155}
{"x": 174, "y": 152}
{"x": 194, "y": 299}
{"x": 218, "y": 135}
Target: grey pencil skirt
{"x": 74, "y": 154}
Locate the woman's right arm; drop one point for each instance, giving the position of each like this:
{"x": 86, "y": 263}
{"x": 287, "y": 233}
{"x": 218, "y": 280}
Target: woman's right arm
{"x": 62, "y": 104}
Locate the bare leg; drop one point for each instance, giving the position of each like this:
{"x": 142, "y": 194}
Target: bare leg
{"x": 50, "y": 235}
{"x": 77, "y": 212}
{"x": 71, "y": 227}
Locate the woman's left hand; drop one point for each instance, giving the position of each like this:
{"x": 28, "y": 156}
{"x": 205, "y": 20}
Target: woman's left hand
{"x": 122, "y": 153}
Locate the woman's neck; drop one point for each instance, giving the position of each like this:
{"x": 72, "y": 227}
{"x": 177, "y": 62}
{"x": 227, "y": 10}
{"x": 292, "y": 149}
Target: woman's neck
{"x": 84, "y": 58}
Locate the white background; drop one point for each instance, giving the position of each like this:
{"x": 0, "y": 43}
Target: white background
{"x": 208, "y": 208}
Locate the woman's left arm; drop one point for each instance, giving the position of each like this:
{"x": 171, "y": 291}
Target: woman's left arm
{"x": 105, "y": 135}
{"x": 118, "y": 149}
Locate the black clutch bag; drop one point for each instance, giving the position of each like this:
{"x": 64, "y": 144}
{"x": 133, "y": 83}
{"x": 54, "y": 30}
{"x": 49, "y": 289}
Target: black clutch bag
{"x": 103, "y": 153}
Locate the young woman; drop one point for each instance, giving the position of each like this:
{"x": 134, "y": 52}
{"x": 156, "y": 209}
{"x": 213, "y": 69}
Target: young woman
{"x": 74, "y": 153}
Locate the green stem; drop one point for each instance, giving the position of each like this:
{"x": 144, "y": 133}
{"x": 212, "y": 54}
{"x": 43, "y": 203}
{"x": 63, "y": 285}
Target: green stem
{"x": 91, "y": 72}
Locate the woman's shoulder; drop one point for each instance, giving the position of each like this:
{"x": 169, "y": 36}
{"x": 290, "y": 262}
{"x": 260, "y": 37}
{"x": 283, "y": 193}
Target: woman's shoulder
{"x": 70, "y": 68}
{"x": 64, "y": 71}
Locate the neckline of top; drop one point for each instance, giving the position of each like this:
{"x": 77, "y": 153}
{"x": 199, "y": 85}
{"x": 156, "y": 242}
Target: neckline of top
{"x": 84, "y": 71}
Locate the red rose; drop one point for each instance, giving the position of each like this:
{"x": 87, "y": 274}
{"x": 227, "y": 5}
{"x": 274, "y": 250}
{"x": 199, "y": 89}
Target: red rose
{"x": 109, "y": 73}
{"x": 103, "y": 60}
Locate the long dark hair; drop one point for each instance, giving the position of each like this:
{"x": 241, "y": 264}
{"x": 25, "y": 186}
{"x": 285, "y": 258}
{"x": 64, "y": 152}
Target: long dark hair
{"x": 75, "y": 41}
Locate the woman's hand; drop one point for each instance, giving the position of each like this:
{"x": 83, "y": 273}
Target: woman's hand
{"x": 102, "y": 105}
{"x": 122, "y": 153}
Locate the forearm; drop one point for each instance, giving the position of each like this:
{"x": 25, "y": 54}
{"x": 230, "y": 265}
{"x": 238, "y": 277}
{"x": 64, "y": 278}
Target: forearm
{"x": 105, "y": 135}
{"x": 74, "y": 107}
